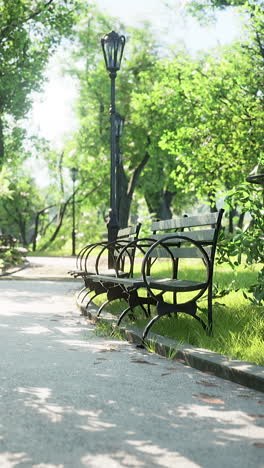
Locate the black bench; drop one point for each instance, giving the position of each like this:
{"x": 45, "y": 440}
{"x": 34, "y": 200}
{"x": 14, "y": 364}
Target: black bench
{"x": 196, "y": 239}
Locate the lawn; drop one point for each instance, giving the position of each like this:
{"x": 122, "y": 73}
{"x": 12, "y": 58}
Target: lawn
{"x": 238, "y": 330}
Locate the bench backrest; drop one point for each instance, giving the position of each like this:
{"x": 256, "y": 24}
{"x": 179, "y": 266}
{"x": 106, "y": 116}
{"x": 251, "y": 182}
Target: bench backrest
{"x": 203, "y": 230}
{"x": 124, "y": 236}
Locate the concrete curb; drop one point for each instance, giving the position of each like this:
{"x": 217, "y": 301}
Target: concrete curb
{"x": 241, "y": 372}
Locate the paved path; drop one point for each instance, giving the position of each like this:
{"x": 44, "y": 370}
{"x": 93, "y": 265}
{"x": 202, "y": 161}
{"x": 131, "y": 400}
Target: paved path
{"x": 69, "y": 398}
{"x": 43, "y": 267}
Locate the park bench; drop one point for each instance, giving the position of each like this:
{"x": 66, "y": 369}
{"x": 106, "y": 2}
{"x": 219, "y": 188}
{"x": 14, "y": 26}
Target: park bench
{"x": 195, "y": 240}
{"x": 88, "y": 263}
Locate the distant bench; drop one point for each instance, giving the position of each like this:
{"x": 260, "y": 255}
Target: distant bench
{"x": 94, "y": 258}
{"x": 176, "y": 240}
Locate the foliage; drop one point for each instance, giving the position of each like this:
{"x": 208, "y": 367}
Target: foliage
{"x": 13, "y": 256}
{"x": 247, "y": 244}
{"x": 18, "y": 209}
{"x": 29, "y": 33}
{"x": 204, "y": 131}
{"x": 205, "y": 10}
{"x": 193, "y": 126}
{"x": 10, "y": 252}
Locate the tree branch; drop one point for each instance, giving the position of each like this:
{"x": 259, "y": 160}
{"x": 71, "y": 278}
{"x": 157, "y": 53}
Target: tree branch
{"x": 32, "y": 15}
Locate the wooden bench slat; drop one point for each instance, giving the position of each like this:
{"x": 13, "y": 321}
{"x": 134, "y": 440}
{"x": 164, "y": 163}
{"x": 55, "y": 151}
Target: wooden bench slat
{"x": 127, "y": 232}
{"x": 205, "y": 235}
{"x": 173, "y": 285}
{"x": 185, "y": 222}
{"x": 165, "y": 284}
{"x": 183, "y": 252}
{"x": 137, "y": 281}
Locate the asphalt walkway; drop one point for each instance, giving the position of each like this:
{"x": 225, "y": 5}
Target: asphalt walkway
{"x": 69, "y": 398}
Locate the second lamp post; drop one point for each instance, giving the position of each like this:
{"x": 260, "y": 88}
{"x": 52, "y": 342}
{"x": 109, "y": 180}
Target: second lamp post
{"x": 74, "y": 172}
{"x": 113, "y": 47}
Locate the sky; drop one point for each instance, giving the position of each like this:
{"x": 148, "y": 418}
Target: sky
{"x": 53, "y": 116}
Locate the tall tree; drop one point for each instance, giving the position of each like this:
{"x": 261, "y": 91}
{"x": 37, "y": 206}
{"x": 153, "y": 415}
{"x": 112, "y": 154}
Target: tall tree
{"x": 30, "y": 31}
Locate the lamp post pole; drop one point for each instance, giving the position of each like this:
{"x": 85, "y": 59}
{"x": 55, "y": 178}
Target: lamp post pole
{"x": 113, "y": 220}
{"x": 113, "y": 47}
{"x": 119, "y": 125}
{"x": 74, "y": 177}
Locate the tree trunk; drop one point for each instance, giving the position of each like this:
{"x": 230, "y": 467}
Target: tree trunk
{"x": 2, "y": 148}
{"x": 123, "y": 199}
{"x": 159, "y": 204}
{"x": 241, "y": 220}
{"x": 166, "y": 201}
{"x": 212, "y": 201}
{"x": 231, "y": 216}
{"x": 125, "y": 190}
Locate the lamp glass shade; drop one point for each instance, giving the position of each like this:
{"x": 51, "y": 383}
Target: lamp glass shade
{"x": 113, "y": 47}
{"x": 119, "y": 124}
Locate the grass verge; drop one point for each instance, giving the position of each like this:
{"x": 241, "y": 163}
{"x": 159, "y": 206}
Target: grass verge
{"x": 238, "y": 325}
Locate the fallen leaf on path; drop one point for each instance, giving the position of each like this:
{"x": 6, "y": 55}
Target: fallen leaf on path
{"x": 207, "y": 384}
{"x": 109, "y": 350}
{"x": 143, "y": 361}
{"x": 209, "y": 399}
{"x": 166, "y": 373}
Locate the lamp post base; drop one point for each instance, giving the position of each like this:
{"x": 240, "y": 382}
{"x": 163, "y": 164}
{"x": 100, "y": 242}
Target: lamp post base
{"x": 73, "y": 244}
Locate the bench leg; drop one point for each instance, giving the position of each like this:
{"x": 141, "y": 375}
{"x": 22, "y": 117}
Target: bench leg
{"x": 85, "y": 295}
{"x": 210, "y": 310}
{"x": 90, "y": 300}
{"x": 148, "y": 327}
{"x": 102, "y": 306}
{"x": 80, "y": 292}
{"x": 123, "y": 314}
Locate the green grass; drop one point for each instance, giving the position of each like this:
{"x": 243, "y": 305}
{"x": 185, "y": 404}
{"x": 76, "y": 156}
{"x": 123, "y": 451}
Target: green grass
{"x": 238, "y": 327}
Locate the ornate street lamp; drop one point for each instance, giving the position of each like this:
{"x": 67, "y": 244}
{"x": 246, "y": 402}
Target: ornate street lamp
{"x": 74, "y": 172}
{"x": 113, "y": 47}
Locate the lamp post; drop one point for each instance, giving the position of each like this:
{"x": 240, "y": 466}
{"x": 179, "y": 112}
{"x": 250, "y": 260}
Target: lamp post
{"x": 113, "y": 47}
{"x": 74, "y": 172}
